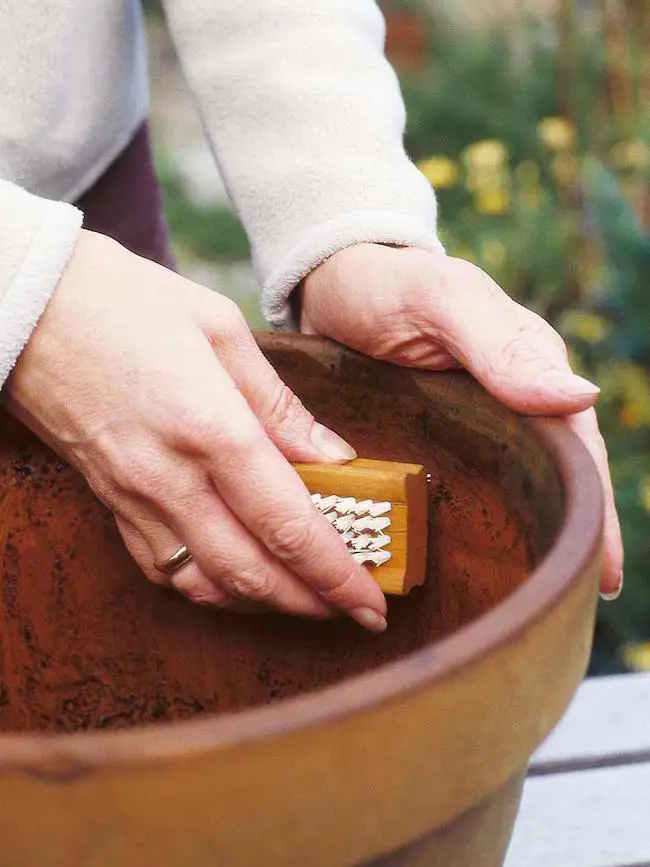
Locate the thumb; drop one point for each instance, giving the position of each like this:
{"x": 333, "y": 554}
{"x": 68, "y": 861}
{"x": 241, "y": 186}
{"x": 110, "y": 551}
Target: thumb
{"x": 512, "y": 351}
{"x": 288, "y": 424}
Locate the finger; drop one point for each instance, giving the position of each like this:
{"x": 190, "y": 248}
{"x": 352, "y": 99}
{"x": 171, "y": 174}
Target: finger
{"x": 512, "y": 351}
{"x": 265, "y": 493}
{"x": 188, "y": 580}
{"x": 231, "y": 558}
{"x": 289, "y": 425}
{"x": 585, "y": 424}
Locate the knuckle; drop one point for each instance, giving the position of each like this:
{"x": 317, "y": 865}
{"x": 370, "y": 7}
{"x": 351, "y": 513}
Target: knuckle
{"x": 105, "y": 490}
{"x": 547, "y": 336}
{"x": 253, "y": 584}
{"x": 200, "y": 432}
{"x": 343, "y": 592}
{"x": 293, "y": 538}
{"x": 194, "y": 429}
{"x": 533, "y": 345}
{"x": 158, "y": 579}
{"x": 539, "y": 332}
{"x": 212, "y": 598}
{"x": 238, "y": 442}
{"x": 286, "y": 410}
{"x": 136, "y": 474}
{"x": 199, "y": 590}
{"x": 457, "y": 273}
{"x": 230, "y": 322}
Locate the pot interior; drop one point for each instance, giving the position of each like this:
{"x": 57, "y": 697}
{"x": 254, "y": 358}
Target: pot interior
{"x": 87, "y": 643}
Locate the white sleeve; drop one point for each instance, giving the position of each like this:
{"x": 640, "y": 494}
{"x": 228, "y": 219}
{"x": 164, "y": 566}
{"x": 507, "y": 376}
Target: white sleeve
{"x": 306, "y": 120}
{"x": 37, "y": 238}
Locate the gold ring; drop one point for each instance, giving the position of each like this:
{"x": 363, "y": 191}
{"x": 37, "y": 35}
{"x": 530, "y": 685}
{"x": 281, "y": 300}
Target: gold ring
{"x": 177, "y": 560}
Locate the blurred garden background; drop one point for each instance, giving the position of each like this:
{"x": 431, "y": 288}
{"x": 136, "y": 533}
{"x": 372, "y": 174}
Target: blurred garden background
{"x": 532, "y": 121}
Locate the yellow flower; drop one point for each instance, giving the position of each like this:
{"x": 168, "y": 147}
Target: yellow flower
{"x": 637, "y": 656}
{"x": 634, "y": 387}
{"x": 493, "y": 253}
{"x": 441, "y": 172}
{"x": 565, "y": 168}
{"x": 633, "y": 154}
{"x": 584, "y": 325}
{"x": 557, "y": 133}
{"x": 486, "y": 154}
{"x": 492, "y": 201}
{"x": 486, "y": 179}
{"x": 631, "y": 417}
{"x": 488, "y": 176}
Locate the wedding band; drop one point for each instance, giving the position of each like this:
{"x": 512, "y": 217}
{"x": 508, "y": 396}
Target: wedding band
{"x": 177, "y": 560}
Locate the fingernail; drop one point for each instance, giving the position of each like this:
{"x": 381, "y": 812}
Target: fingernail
{"x": 569, "y": 383}
{"x": 370, "y": 619}
{"x": 330, "y": 444}
{"x": 613, "y": 596}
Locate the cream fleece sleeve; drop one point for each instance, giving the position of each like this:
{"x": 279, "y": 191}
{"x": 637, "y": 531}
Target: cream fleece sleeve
{"x": 306, "y": 120}
{"x": 37, "y": 237}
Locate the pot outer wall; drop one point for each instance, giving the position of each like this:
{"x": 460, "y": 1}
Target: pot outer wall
{"x": 478, "y": 838}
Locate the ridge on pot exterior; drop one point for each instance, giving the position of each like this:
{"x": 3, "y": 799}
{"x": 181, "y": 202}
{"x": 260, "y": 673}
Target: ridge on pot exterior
{"x": 138, "y": 729}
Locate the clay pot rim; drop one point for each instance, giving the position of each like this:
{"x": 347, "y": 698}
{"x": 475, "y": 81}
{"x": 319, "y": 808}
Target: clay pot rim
{"x": 576, "y": 548}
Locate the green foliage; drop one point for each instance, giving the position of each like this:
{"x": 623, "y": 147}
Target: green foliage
{"x": 205, "y": 232}
{"x": 550, "y": 206}
{"x": 478, "y": 87}
{"x": 622, "y": 362}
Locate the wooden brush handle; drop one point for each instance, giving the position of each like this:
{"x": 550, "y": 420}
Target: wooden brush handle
{"x": 402, "y": 485}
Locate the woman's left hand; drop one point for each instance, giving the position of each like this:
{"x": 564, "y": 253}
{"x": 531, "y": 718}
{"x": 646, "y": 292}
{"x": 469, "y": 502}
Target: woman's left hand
{"x": 432, "y": 311}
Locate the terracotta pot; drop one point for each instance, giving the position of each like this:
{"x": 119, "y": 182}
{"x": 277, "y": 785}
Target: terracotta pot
{"x": 138, "y": 729}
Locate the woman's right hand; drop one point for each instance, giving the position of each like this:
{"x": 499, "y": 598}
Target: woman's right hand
{"x": 154, "y": 388}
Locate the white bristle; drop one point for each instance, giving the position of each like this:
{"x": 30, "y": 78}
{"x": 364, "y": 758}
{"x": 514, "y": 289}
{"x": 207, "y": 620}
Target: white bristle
{"x": 345, "y": 505}
{"x": 360, "y": 524}
{"x": 378, "y": 558}
{"x": 369, "y": 523}
{"x": 344, "y": 523}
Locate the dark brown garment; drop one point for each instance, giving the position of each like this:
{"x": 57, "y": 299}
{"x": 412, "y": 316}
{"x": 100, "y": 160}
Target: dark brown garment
{"x": 126, "y": 203}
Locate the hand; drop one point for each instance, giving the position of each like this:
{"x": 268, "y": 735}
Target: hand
{"x": 154, "y": 388}
{"x": 432, "y": 311}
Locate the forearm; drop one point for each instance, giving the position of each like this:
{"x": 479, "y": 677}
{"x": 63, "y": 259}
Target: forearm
{"x": 37, "y": 237}
{"x": 306, "y": 120}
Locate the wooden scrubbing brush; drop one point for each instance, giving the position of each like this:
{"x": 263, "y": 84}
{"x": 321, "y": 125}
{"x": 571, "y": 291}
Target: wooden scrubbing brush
{"x": 380, "y": 510}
